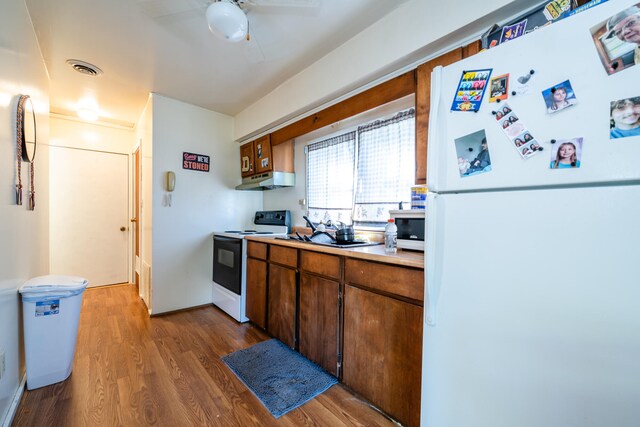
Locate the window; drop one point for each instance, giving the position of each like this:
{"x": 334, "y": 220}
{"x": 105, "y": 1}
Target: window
{"x": 357, "y": 177}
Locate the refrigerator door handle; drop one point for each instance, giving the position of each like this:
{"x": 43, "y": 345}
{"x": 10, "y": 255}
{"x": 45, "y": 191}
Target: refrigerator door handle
{"x": 434, "y": 127}
{"x": 433, "y": 257}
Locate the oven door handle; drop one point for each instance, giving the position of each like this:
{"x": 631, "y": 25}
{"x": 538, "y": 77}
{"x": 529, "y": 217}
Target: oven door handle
{"x": 225, "y": 239}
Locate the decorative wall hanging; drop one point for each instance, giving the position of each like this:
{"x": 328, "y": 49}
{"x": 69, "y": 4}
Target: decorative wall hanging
{"x": 26, "y": 142}
{"x": 195, "y": 162}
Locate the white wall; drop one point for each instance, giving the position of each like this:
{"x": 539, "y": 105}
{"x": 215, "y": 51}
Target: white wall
{"x": 417, "y": 30}
{"x": 202, "y": 202}
{"x": 24, "y": 247}
{"x": 144, "y": 140}
{"x": 89, "y": 136}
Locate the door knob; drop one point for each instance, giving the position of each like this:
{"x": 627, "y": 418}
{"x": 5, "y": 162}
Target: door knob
{"x": 134, "y": 220}
{"x": 123, "y": 228}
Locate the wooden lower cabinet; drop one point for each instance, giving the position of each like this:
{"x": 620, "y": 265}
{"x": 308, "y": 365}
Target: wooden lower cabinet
{"x": 318, "y": 332}
{"x": 281, "y": 312}
{"x": 382, "y": 354}
{"x": 256, "y": 298}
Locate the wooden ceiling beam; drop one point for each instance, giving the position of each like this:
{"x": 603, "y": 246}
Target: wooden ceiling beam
{"x": 398, "y": 87}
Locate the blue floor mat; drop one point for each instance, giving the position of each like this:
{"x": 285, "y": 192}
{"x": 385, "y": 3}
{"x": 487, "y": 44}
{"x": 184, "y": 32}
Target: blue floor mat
{"x": 281, "y": 378}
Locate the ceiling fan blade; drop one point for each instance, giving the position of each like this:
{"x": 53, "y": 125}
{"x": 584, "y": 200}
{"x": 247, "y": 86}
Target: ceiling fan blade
{"x": 162, "y": 8}
{"x": 282, "y": 3}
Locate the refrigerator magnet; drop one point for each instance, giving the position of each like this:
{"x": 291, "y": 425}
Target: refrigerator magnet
{"x": 520, "y": 137}
{"x": 473, "y": 154}
{"x": 617, "y": 40}
{"x": 471, "y": 89}
{"x": 566, "y": 154}
{"x": 559, "y": 97}
{"x": 624, "y": 119}
{"x": 499, "y": 88}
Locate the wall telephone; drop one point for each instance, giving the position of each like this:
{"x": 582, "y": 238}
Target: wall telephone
{"x": 170, "y": 181}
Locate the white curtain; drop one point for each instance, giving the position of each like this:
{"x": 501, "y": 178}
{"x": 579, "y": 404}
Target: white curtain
{"x": 386, "y": 167}
{"x": 330, "y": 166}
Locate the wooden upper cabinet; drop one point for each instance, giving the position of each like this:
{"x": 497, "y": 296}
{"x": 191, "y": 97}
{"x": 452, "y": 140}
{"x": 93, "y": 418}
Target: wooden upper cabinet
{"x": 262, "y": 151}
{"x": 260, "y": 156}
{"x": 247, "y": 159}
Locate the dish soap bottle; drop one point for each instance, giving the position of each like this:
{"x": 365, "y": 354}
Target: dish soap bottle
{"x": 390, "y": 237}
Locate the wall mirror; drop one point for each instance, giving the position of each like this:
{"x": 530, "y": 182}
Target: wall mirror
{"x": 27, "y": 120}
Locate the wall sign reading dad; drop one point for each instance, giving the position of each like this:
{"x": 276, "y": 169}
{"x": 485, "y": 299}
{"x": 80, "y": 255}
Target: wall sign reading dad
{"x": 195, "y": 162}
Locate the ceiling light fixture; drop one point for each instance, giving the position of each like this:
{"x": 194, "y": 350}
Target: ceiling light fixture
{"x": 227, "y": 20}
{"x": 88, "y": 114}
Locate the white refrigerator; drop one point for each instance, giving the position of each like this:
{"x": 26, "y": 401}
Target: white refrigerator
{"x": 532, "y": 273}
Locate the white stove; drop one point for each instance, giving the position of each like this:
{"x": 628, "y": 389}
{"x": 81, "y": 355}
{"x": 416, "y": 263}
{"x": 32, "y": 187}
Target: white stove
{"x": 230, "y": 260}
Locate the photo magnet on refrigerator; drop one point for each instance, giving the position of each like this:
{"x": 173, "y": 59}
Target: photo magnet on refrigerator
{"x": 471, "y": 89}
{"x": 617, "y": 40}
{"x": 499, "y": 88}
{"x": 566, "y": 154}
{"x": 473, "y": 154}
{"x": 520, "y": 137}
{"x": 624, "y": 119}
{"x": 559, "y": 97}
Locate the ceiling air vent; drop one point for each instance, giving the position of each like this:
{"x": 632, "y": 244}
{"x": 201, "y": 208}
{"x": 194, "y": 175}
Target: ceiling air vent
{"x": 84, "y": 67}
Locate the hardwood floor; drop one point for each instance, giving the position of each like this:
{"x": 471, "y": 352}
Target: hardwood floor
{"x": 132, "y": 370}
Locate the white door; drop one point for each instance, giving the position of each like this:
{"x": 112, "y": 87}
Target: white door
{"x": 88, "y": 215}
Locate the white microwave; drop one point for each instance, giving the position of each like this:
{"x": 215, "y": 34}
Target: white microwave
{"x": 411, "y": 228}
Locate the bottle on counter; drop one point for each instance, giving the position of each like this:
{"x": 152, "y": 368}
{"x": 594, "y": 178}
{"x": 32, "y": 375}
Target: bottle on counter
{"x": 391, "y": 237}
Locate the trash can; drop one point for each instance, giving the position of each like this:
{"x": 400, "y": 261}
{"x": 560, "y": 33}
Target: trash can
{"x": 50, "y": 314}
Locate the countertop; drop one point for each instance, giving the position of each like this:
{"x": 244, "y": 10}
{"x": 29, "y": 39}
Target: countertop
{"x": 404, "y": 258}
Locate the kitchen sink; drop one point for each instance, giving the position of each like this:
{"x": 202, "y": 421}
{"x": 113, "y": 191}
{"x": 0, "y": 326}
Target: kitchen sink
{"x": 354, "y": 244}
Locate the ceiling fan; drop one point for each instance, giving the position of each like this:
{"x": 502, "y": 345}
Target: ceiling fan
{"x": 229, "y": 20}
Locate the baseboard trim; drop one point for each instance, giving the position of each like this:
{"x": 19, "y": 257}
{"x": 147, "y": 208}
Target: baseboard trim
{"x": 164, "y": 313}
{"x": 13, "y": 409}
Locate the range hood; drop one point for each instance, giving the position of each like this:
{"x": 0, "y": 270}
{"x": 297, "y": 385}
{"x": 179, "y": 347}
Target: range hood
{"x": 268, "y": 181}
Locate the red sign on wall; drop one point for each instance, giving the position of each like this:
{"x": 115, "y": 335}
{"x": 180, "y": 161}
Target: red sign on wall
{"x": 195, "y": 162}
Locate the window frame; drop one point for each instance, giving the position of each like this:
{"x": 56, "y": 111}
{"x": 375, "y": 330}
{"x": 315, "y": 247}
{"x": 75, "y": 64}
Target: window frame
{"x": 382, "y": 113}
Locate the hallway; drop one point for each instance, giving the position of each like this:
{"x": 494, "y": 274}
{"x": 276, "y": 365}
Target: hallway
{"x": 132, "y": 370}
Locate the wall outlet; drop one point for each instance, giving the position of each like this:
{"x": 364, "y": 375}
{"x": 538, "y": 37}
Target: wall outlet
{"x": 1, "y": 364}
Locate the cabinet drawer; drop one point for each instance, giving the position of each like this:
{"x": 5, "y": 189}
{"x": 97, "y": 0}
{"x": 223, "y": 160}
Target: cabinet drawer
{"x": 322, "y": 264}
{"x": 284, "y": 256}
{"x": 257, "y": 250}
{"x": 401, "y": 281}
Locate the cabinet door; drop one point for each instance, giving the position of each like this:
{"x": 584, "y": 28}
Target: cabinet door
{"x": 282, "y": 304}
{"x": 256, "y": 307}
{"x": 264, "y": 161}
{"x": 247, "y": 159}
{"x": 382, "y": 355}
{"x": 318, "y": 334}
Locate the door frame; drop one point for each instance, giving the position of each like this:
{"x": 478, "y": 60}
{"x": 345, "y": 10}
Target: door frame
{"x": 135, "y": 218}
